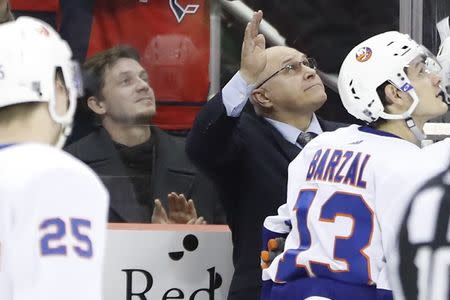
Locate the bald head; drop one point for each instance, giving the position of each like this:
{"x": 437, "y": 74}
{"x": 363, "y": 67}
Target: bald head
{"x": 287, "y": 93}
{"x": 278, "y": 57}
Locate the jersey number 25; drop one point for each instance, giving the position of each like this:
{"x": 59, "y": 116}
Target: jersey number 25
{"x": 51, "y": 242}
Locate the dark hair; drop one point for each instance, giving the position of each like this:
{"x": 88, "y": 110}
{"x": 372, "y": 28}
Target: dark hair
{"x": 382, "y": 95}
{"x": 60, "y": 76}
{"x": 93, "y": 72}
{"x": 95, "y": 67}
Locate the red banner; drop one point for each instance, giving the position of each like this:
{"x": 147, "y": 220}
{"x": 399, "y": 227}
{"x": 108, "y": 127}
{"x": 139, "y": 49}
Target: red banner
{"x": 173, "y": 40}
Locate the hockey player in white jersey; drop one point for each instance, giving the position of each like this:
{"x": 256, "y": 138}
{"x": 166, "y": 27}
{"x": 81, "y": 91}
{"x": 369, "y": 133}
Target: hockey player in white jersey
{"x": 344, "y": 189}
{"x": 52, "y": 207}
{"x": 421, "y": 264}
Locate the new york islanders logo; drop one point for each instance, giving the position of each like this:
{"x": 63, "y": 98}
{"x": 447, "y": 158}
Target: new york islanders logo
{"x": 180, "y": 11}
{"x": 363, "y": 54}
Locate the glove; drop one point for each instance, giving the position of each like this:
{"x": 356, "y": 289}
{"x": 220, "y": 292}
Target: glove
{"x": 275, "y": 247}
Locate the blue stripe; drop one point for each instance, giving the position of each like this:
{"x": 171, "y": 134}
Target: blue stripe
{"x": 2, "y": 146}
{"x": 331, "y": 289}
{"x": 371, "y": 130}
{"x": 268, "y": 235}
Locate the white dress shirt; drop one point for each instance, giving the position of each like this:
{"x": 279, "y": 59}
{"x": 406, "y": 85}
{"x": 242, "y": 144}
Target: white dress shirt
{"x": 235, "y": 95}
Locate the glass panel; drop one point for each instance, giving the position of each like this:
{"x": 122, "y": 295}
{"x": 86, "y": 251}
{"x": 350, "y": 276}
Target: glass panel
{"x": 433, "y": 12}
{"x": 326, "y": 30}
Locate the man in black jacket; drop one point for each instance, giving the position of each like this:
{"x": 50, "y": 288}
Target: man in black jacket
{"x": 248, "y": 153}
{"x": 137, "y": 162}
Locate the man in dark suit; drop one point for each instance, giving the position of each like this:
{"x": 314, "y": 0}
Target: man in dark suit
{"x": 248, "y": 153}
{"x": 136, "y": 161}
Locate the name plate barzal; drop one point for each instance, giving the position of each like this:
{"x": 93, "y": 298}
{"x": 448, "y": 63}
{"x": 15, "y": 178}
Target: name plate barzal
{"x": 153, "y": 262}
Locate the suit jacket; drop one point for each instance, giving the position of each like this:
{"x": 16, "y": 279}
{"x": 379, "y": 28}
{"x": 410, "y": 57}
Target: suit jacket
{"x": 172, "y": 171}
{"x": 249, "y": 159}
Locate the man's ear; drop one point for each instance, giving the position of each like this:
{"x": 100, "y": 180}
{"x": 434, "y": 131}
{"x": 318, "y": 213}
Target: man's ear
{"x": 259, "y": 97}
{"x": 392, "y": 94}
{"x": 96, "y": 105}
{"x": 60, "y": 86}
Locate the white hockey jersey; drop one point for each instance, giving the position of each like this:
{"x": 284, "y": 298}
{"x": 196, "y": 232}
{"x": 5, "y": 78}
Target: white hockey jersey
{"x": 53, "y": 213}
{"x": 344, "y": 203}
{"x": 420, "y": 266}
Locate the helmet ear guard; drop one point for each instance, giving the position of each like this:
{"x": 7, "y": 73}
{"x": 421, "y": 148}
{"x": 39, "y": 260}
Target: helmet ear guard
{"x": 30, "y": 55}
{"x": 72, "y": 79}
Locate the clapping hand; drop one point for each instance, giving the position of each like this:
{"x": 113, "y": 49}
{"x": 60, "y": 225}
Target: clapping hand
{"x": 181, "y": 211}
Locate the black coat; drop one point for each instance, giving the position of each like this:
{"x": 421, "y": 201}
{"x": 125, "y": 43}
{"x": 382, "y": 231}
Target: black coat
{"x": 172, "y": 171}
{"x": 249, "y": 159}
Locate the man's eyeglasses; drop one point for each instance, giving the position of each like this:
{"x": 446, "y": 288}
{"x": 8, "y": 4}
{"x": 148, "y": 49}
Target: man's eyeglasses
{"x": 295, "y": 66}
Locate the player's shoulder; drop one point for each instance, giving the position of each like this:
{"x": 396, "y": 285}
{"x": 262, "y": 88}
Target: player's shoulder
{"x": 336, "y": 134}
{"x": 364, "y": 139}
{"x": 386, "y": 145}
{"x": 340, "y": 136}
{"x": 438, "y": 148}
{"x": 325, "y": 139}
{"x": 434, "y": 158}
{"x": 35, "y": 159}
{"x": 41, "y": 155}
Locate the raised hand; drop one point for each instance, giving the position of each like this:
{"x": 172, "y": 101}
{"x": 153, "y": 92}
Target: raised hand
{"x": 159, "y": 215}
{"x": 181, "y": 211}
{"x": 253, "y": 55}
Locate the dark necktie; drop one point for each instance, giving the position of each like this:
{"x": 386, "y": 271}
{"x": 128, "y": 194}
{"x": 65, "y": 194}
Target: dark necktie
{"x": 305, "y": 137}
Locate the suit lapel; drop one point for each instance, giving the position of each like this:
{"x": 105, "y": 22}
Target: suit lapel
{"x": 171, "y": 170}
{"x": 287, "y": 149}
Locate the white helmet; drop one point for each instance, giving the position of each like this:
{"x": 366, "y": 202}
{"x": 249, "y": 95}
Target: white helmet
{"x": 30, "y": 53}
{"x": 378, "y": 59}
